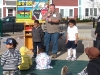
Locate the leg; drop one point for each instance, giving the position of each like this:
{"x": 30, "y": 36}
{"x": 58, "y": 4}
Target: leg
{"x": 54, "y": 39}
{"x": 74, "y": 50}
{"x": 68, "y": 45}
{"x": 97, "y": 44}
{"x": 35, "y": 49}
{"x": 39, "y": 45}
{"x": 47, "y": 37}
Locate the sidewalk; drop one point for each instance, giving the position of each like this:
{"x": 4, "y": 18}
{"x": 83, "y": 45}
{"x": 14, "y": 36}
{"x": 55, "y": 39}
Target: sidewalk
{"x": 85, "y": 40}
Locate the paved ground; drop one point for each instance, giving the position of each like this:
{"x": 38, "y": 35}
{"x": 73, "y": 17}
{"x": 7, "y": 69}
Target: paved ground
{"x": 85, "y": 40}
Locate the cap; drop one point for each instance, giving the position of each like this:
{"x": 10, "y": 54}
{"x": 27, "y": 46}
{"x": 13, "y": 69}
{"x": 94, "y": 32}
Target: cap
{"x": 10, "y": 41}
{"x": 92, "y": 52}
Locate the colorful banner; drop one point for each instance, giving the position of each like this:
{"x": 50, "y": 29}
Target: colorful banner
{"x": 30, "y": 10}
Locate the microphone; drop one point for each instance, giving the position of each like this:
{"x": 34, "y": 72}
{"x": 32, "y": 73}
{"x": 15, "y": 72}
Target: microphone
{"x": 50, "y": 15}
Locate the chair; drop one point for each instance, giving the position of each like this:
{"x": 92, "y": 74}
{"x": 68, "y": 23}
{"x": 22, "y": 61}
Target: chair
{"x": 64, "y": 70}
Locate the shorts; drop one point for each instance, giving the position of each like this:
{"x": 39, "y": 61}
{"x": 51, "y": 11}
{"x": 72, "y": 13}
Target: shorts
{"x": 17, "y": 72}
{"x": 71, "y": 44}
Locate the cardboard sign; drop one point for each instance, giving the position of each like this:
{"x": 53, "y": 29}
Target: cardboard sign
{"x": 30, "y": 10}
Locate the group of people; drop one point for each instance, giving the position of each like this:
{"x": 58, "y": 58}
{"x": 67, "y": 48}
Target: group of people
{"x": 14, "y": 60}
{"x": 52, "y": 21}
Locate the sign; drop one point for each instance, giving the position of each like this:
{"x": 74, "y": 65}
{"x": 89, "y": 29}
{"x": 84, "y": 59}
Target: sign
{"x": 30, "y": 10}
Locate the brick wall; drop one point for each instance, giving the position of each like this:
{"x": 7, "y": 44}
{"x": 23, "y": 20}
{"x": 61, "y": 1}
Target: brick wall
{"x": 4, "y": 9}
{"x": 75, "y": 13}
{"x": 65, "y": 2}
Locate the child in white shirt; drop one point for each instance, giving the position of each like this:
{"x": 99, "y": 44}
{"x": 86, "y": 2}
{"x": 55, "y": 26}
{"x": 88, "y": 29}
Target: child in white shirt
{"x": 42, "y": 60}
{"x": 71, "y": 40}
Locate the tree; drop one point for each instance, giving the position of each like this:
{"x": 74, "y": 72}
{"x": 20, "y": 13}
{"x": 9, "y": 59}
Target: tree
{"x": 92, "y": 2}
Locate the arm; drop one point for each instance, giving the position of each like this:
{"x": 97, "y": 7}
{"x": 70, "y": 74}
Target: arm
{"x": 19, "y": 59}
{"x": 3, "y": 59}
{"x": 76, "y": 36}
{"x": 58, "y": 18}
{"x": 30, "y": 61}
{"x": 45, "y": 16}
{"x": 66, "y": 38}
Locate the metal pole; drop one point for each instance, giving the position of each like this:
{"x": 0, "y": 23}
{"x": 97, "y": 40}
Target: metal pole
{"x": 93, "y": 22}
{"x": 13, "y": 26}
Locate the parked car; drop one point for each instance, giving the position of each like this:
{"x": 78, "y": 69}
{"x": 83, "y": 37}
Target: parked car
{"x": 10, "y": 25}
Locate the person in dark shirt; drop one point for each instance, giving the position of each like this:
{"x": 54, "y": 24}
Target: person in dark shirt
{"x": 37, "y": 33}
{"x": 97, "y": 33}
{"x": 93, "y": 67}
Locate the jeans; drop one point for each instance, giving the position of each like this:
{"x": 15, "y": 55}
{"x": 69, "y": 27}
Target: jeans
{"x": 51, "y": 37}
{"x": 97, "y": 43}
{"x": 35, "y": 47}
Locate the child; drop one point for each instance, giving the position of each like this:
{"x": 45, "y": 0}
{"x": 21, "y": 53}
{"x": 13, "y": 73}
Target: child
{"x": 26, "y": 60}
{"x": 36, "y": 35}
{"x": 42, "y": 60}
{"x": 11, "y": 58}
{"x": 93, "y": 67}
{"x": 72, "y": 38}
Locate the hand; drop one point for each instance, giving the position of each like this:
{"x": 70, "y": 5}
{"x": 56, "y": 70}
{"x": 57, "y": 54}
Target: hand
{"x": 75, "y": 42}
{"x": 66, "y": 41}
{"x": 48, "y": 15}
{"x": 49, "y": 19}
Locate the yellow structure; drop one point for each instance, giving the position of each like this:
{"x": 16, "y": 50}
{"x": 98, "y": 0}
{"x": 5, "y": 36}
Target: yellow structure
{"x": 28, "y": 35}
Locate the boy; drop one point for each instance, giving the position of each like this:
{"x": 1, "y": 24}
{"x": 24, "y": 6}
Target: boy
{"x": 72, "y": 38}
{"x": 37, "y": 34}
{"x": 26, "y": 60}
{"x": 11, "y": 58}
{"x": 43, "y": 60}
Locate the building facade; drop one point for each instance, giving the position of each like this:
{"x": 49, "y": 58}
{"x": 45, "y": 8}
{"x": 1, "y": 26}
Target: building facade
{"x": 9, "y": 8}
{"x": 88, "y": 8}
{"x": 82, "y": 9}
{"x": 1, "y": 8}
{"x": 68, "y": 8}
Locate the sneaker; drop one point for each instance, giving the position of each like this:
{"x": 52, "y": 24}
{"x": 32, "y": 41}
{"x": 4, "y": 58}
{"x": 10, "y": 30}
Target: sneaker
{"x": 68, "y": 58}
{"x": 73, "y": 59}
{"x": 54, "y": 56}
{"x": 64, "y": 70}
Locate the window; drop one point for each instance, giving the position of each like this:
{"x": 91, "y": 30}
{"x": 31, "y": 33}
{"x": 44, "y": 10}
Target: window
{"x": 70, "y": 12}
{"x": 91, "y": 11}
{"x": 0, "y": 13}
{"x": 79, "y": 2}
{"x": 62, "y": 12}
{"x": 86, "y": 12}
{"x": 95, "y": 11}
{"x": 10, "y": 12}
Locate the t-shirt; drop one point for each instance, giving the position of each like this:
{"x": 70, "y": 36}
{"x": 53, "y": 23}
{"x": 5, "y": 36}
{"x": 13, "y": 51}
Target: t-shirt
{"x": 53, "y": 27}
{"x": 71, "y": 33}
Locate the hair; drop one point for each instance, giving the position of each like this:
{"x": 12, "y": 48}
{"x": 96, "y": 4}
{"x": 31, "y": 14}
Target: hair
{"x": 52, "y": 5}
{"x": 14, "y": 45}
{"x": 36, "y": 21}
{"x": 72, "y": 21}
{"x": 41, "y": 49}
